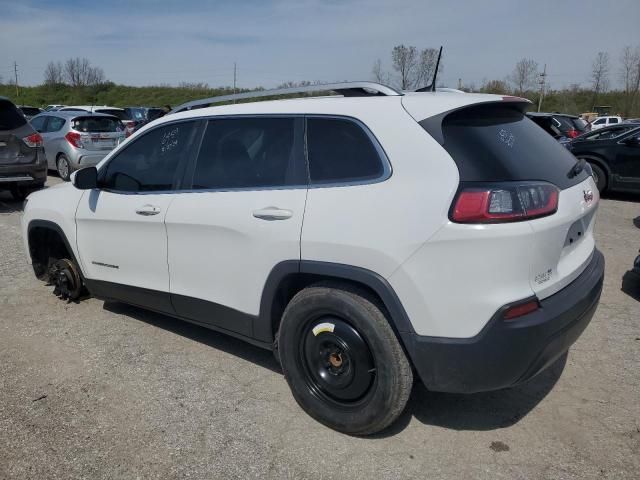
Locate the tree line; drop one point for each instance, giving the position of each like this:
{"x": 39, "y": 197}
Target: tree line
{"x": 77, "y": 81}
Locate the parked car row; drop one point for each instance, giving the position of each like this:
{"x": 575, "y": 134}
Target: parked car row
{"x": 611, "y": 147}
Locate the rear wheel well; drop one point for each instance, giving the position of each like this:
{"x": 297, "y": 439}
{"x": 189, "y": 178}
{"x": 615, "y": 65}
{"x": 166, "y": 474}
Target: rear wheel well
{"x": 46, "y": 246}
{"x": 295, "y": 282}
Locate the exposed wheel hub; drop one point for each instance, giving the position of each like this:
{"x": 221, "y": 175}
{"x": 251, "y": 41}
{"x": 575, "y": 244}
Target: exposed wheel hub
{"x": 65, "y": 278}
{"x": 337, "y": 360}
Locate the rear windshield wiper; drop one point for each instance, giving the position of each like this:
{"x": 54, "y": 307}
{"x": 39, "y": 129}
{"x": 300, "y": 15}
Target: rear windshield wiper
{"x": 580, "y": 165}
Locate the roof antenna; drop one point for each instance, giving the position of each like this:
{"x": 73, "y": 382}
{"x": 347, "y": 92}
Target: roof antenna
{"x": 432, "y": 87}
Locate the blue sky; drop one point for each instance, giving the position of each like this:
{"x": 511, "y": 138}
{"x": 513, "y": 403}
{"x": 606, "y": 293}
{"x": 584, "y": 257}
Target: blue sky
{"x": 145, "y": 42}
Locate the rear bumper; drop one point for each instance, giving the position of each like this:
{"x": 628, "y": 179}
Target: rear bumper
{"x": 25, "y": 174}
{"x": 506, "y": 353}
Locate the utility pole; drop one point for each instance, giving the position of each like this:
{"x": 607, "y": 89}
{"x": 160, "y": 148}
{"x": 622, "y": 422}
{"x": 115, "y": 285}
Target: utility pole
{"x": 234, "y": 78}
{"x": 15, "y": 69}
{"x": 543, "y": 77}
{"x": 459, "y": 84}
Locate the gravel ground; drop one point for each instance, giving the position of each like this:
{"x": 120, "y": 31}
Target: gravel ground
{"x": 95, "y": 390}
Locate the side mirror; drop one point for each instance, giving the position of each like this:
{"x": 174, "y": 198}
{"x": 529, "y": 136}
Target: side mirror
{"x": 85, "y": 178}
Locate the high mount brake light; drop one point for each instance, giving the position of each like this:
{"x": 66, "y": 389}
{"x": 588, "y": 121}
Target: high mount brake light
{"x": 504, "y": 202}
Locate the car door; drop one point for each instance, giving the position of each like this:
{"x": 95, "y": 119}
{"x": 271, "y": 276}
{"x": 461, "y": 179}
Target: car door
{"x": 628, "y": 160}
{"x": 241, "y": 217}
{"x": 51, "y": 138}
{"x": 121, "y": 234}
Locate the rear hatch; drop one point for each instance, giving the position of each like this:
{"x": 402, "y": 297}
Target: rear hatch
{"x": 96, "y": 133}
{"x": 13, "y": 128}
{"x": 496, "y": 144}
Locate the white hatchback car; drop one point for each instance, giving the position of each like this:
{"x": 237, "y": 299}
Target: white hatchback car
{"x": 365, "y": 238}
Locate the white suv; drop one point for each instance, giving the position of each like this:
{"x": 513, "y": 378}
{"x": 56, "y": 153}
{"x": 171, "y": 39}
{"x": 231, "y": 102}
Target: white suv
{"x": 366, "y": 238}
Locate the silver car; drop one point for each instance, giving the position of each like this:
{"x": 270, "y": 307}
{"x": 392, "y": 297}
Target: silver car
{"x": 74, "y": 140}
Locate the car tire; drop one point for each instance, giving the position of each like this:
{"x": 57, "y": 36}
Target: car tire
{"x": 342, "y": 360}
{"x": 599, "y": 176}
{"x": 64, "y": 167}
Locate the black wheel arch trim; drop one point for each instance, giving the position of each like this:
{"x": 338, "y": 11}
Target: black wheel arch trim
{"x": 598, "y": 160}
{"x": 264, "y": 328}
{"x": 56, "y": 228}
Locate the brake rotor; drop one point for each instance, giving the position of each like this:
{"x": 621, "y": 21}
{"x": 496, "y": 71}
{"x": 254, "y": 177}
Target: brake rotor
{"x": 66, "y": 280}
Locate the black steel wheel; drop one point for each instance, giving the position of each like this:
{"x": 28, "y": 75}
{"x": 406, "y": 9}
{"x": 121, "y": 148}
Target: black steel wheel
{"x": 338, "y": 364}
{"x": 342, "y": 360}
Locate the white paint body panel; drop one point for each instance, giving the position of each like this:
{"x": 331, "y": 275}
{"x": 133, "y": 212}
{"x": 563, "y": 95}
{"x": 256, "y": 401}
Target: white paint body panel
{"x": 220, "y": 252}
{"x": 111, "y": 232}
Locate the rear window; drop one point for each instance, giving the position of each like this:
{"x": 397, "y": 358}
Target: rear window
{"x": 31, "y": 111}
{"x": 579, "y": 124}
{"x": 341, "y": 151}
{"x": 121, "y": 114}
{"x": 496, "y": 143}
{"x": 96, "y": 124}
{"x": 10, "y": 117}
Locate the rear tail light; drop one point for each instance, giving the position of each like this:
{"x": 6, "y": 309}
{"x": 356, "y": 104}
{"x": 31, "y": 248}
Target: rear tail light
{"x": 521, "y": 309}
{"x": 504, "y": 202}
{"x": 75, "y": 139}
{"x": 573, "y": 133}
{"x": 33, "y": 140}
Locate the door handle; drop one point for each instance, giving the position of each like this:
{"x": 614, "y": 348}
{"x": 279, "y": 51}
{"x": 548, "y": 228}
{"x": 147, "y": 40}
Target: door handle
{"x": 272, "y": 213}
{"x": 148, "y": 210}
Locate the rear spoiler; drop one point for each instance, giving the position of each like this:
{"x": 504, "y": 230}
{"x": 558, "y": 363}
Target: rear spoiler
{"x": 433, "y": 125}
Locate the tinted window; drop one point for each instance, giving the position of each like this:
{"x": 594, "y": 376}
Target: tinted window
{"x": 55, "y": 124}
{"x": 249, "y": 153}
{"x": 599, "y": 122}
{"x": 10, "y": 117}
{"x": 31, "y": 111}
{"x": 96, "y": 124}
{"x": 494, "y": 143}
{"x": 121, "y": 114}
{"x": 341, "y": 151}
{"x": 38, "y": 123}
{"x": 613, "y": 120}
{"x": 150, "y": 163}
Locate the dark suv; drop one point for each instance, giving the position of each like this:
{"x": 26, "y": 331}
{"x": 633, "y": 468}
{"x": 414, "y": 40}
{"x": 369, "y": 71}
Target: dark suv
{"x": 22, "y": 162}
{"x": 614, "y": 155}
{"x": 559, "y": 125}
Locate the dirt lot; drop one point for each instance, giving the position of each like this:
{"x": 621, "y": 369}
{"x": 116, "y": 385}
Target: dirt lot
{"x": 95, "y": 390}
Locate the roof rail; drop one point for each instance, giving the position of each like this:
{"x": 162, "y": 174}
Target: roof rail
{"x": 348, "y": 89}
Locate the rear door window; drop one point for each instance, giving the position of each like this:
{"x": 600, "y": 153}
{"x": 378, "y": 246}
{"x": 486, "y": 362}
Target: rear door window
{"x": 340, "y": 151}
{"x": 257, "y": 152}
{"x": 10, "y": 116}
{"x": 495, "y": 143}
{"x": 613, "y": 120}
{"x": 39, "y": 123}
{"x": 55, "y": 124}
